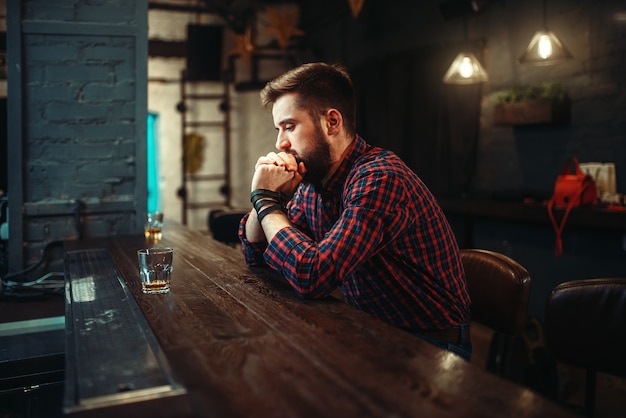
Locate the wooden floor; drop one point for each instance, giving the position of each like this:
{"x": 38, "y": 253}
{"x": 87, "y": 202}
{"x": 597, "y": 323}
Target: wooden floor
{"x": 611, "y": 390}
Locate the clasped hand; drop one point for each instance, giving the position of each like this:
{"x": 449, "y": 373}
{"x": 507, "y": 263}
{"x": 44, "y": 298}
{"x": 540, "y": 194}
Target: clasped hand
{"x": 279, "y": 172}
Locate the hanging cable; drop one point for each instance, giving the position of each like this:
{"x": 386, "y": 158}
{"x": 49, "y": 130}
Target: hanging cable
{"x": 31, "y": 268}
{"x": 46, "y": 276}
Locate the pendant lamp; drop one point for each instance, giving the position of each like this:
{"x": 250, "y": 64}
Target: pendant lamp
{"x": 465, "y": 69}
{"x": 545, "y": 48}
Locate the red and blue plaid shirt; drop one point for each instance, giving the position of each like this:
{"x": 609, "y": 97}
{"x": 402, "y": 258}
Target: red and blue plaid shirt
{"x": 377, "y": 232}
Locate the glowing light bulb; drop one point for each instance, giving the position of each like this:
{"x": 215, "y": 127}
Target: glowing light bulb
{"x": 545, "y": 47}
{"x": 466, "y": 69}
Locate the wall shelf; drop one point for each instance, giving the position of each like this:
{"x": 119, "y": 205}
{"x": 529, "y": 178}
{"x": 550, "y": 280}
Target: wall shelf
{"x": 533, "y": 112}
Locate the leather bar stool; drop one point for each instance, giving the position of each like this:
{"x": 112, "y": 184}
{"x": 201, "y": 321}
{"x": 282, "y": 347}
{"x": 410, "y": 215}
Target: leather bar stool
{"x": 224, "y": 225}
{"x": 585, "y": 327}
{"x": 499, "y": 288}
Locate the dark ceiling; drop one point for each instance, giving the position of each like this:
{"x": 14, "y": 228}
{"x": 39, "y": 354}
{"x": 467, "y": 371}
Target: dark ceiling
{"x": 237, "y": 13}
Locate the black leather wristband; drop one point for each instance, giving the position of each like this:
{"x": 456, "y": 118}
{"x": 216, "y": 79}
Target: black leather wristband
{"x": 274, "y": 207}
{"x": 266, "y": 194}
{"x": 263, "y": 199}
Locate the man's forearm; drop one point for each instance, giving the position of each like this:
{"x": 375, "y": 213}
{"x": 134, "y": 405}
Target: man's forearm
{"x": 272, "y": 223}
{"x": 254, "y": 232}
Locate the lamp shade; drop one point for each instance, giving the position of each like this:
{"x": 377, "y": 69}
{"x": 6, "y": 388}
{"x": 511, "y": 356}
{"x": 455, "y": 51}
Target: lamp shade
{"x": 465, "y": 69}
{"x": 545, "y": 48}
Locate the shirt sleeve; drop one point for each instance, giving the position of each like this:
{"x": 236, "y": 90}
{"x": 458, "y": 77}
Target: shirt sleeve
{"x": 252, "y": 251}
{"x": 373, "y": 214}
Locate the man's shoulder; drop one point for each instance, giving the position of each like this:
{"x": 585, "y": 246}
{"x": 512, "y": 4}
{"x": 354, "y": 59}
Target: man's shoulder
{"x": 377, "y": 158}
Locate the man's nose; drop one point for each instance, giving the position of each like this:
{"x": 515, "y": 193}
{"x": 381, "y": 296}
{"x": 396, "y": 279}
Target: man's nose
{"x": 282, "y": 143}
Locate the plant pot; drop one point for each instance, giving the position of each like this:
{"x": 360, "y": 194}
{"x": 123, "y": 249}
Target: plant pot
{"x": 533, "y": 112}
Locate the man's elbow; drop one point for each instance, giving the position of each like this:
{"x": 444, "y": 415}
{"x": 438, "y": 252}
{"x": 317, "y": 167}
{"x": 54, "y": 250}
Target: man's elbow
{"x": 311, "y": 292}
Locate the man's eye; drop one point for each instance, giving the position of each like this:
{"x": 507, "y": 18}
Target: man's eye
{"x": 290, "y": 127}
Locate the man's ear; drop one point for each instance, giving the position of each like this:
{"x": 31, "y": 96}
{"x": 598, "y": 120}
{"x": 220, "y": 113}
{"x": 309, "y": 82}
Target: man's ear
{"x": 334, "y": 121}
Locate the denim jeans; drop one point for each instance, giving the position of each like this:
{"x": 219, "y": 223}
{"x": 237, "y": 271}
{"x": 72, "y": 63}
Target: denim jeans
{"x": 463, "y": 349}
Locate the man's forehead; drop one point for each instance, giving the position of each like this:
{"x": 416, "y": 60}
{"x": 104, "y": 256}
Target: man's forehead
{"x": 287, "y": 110}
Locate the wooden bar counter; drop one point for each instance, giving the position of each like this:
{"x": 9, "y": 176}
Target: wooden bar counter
{"x": 243, "y": 345}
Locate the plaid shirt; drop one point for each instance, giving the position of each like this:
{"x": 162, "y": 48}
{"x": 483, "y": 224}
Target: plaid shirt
{"x": 377, "y": 232}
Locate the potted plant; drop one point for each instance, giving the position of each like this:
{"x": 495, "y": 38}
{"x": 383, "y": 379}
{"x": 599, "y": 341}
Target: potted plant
{"x": 545, "y": 103}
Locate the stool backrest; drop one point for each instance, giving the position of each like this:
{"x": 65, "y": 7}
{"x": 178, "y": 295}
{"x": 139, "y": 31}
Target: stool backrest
{"x": 585, "y": 324}
{"x": 224, "y": 225}
{"x": 499, "y": 288}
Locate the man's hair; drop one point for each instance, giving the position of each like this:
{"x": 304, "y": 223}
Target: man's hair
{"x": 319, "y": 86}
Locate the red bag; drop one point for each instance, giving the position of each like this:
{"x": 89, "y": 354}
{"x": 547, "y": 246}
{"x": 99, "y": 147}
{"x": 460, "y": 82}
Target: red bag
{"x": 570, "y": 191}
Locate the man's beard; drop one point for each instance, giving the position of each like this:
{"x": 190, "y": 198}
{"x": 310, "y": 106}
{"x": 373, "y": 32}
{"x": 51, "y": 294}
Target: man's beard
{"x": 317, "y": 159}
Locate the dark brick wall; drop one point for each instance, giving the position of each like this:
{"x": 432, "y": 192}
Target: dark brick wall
{"x": 84, "y": 120}
{"x": 123, "y": 12}
{"x": 525, "y": 161}
{"x": 80, "y": 131}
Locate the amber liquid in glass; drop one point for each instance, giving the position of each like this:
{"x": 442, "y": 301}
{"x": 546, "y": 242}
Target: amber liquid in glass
{"x": 157, "y": 286}
{"x": 153, "y": 233}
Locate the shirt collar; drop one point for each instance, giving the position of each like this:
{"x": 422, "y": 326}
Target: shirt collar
{"x": 336, "y": 181}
